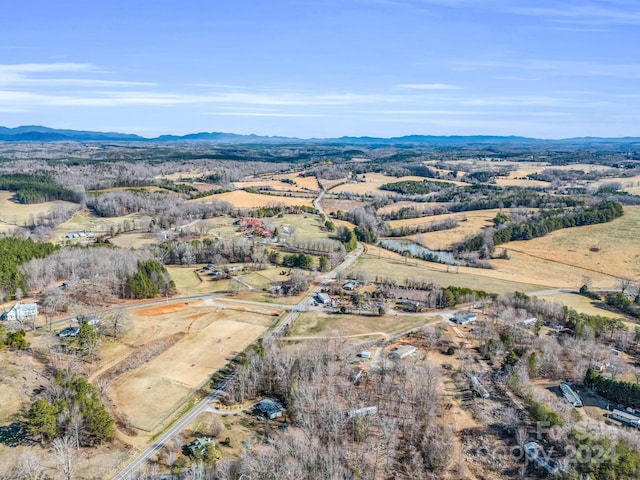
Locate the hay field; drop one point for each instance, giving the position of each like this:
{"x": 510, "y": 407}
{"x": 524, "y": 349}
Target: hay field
{"x": 579, "y": 303}
{"x": 135, "y": 240}
{"x": 380, "y": 262}
{"x": 84, "y": 221}
{"x": 603, "y": 251}
{"x": 13, "y": 213}
{"x": 305, "y": 225}
{"x": 242, "y": 199}
{"x": 469, "y": 223}
{"x": 186, "y": 280}
{"x": 273, "y": 184}
{"x": 213, "y": 334}
{"x": 372, "y": 184}
{"x": 398, "y": 205}
{"x": 330, "y": 205}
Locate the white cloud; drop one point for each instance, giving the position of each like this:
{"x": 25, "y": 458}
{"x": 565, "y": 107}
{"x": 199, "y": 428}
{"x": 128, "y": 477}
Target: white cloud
{"x": 267, "y": 114}
{"x": 428, "y": 86}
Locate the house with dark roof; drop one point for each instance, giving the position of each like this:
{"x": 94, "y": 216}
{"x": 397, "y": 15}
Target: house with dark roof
{"x": 268, "y": 408}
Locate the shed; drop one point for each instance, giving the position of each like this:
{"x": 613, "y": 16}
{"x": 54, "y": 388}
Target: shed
{"x": 323, "y": 298}
{"x": 403, "y": 351}
{"x": 464, "y": 318}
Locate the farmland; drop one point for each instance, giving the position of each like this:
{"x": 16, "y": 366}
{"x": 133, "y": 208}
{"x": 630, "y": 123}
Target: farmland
{"x": 238, "y": 262}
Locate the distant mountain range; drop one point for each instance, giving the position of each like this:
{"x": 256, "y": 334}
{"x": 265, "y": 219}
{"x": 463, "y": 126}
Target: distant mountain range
{"x": 45, "y": 134}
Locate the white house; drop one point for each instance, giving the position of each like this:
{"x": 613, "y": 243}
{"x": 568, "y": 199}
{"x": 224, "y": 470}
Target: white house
{"x": 21, "y": 311}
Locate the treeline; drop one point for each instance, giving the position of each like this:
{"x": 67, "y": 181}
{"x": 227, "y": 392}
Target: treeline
{"x": 15, "y": 251}
{"x": 71, "y": 408}
{"x": 435, "y": 226}
{"x": 94, "y": 275}
{"x": 273, "y": 210}
{"x": 209, "y": 250}
{"x": 542, "y": 224}
{"x": 586, "y": 326}
{"x": 150, "y": 280}
{"x": 623, "y": 303}
{"x": 414, "y": 187}
{"x": 36, "y": 188}
{"x": 621, "y": 392}
{"x": 166, "y": 209}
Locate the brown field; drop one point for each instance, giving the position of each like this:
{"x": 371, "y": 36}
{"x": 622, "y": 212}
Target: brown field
{"x": 273, "y": 184}
{"x": 372, "y": 184}
{"x": 84, "y": 221}
{"x": 242, "y": 199}
{"x": 20, "y": 374}
{"x": 604, "y": 252}
{"x": 213, "y": 334}
{"x": 13, "y": 213}
{"x": 469, "y": 223}
{"x": 330, "y": 205}
{"x": 398, "y": 205}
{"x": 134, "y": 240}
{"x": 319, "y": 323}
{"x": 383, "y": 263}
{"x": 580, "y": 303}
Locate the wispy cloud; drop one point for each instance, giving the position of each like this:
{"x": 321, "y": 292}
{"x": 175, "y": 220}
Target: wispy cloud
{"x": 595, "y": 12}
{"x": 569, "y": 68}
{"x": 267, "y": 114}
{"x": 428, "y": 86}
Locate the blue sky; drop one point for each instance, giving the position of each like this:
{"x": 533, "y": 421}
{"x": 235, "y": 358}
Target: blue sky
{"x": 324, "y": 68}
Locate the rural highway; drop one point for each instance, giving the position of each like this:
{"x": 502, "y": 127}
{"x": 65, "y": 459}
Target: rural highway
{"x": 128, "y": 472}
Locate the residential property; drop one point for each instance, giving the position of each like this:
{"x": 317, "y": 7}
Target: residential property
{"x": 626, "y": 418}
{"x": 530, "y": 321}
{"x": 268, "y": 408}
{"x": 199, "y": 445}
{"x": 403, "y": 351}
{"x": 350, "y": 285}
{"x": 570, "y": 395}
{"x": 21, "y": 312}
{"x": 365, "y": 354}
{"x": 464, "y": 318}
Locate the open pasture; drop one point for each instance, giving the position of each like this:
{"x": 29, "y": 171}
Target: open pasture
{"x": 370, "y": 183}
{"x": 580, "y": 304}
{"x": 469, "y": 223}
{"x": 320, "y": 324}
{"x": 604, "y": 252}
{"x": 243, "y": 199}
{"x": 13, "y": 213}
{"x": 330, "y": 205}
{"x": 383, "y": 263}
{"x": 212, "y": 335}
{"x": 271, "y": 184}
